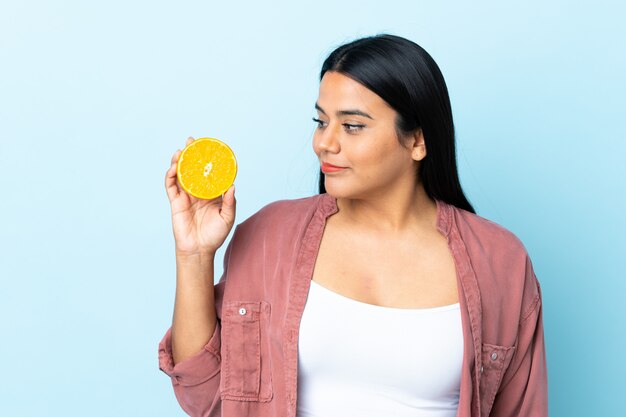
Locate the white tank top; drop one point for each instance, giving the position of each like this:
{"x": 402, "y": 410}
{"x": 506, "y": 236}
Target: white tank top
{"x": 360, "y": 359}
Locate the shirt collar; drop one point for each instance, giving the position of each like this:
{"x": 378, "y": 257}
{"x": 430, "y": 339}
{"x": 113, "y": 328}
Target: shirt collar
{"x": 444, "y": 212}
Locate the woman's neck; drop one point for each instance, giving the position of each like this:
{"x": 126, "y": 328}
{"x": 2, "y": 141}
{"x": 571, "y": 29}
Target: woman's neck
{"x": 392, "y": 213}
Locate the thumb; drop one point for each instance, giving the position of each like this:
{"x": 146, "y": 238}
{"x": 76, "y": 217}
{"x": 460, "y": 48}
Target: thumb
{"x": 229, "y": 205}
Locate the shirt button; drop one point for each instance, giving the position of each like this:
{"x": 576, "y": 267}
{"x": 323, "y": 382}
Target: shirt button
{"x": 242, "y": 311}
{"x": 494, "y": 356}
{"x": 481, "y": 368}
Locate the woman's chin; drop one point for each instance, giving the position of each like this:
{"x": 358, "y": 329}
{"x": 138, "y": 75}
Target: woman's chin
{"x": 341, "y": 191}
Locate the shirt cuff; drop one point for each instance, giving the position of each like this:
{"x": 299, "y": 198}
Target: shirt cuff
{"x": 195, "y": 369}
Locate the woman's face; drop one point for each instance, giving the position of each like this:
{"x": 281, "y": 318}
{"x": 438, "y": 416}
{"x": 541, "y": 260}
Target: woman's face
{"x": 356, "y": 130}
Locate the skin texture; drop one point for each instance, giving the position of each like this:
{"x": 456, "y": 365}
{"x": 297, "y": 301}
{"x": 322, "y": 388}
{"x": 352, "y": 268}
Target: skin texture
{"x": 382, "y": 247}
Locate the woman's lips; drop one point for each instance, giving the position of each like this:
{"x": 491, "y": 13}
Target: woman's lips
{"x": 326, "y": 168}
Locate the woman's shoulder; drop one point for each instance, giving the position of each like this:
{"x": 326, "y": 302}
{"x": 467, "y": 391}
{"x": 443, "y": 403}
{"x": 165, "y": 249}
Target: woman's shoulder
{"x": 284, "y": 212}
{"x": 500, "y": 260}
{"x": 485, "y": 232}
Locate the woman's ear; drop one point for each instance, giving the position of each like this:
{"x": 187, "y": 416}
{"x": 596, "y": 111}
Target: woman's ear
{"x": 418, "y": 151}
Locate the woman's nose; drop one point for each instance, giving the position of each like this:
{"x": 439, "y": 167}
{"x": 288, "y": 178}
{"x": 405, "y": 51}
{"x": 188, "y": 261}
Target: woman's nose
{"x": 328, "y": 140}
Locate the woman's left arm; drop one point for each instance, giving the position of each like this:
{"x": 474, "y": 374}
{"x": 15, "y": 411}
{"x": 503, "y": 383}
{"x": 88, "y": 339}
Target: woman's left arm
{"x": 524, "y": 388}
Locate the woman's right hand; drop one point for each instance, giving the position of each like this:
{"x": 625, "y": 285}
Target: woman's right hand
{"x": 200, "y": 226}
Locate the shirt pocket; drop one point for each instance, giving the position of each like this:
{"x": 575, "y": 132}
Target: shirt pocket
{"x": 245, "y": 370}
{"x": 495, "y": 361}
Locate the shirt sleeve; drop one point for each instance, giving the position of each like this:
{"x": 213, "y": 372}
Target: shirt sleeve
{"x": 196, "y": 379}
{"x": 524, "y": 388}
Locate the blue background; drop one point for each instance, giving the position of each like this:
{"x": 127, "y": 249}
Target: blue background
{"x": 95, "y": 98}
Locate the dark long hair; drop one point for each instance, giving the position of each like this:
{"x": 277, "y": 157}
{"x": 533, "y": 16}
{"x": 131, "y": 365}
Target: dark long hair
{"x": 404, "y": 75}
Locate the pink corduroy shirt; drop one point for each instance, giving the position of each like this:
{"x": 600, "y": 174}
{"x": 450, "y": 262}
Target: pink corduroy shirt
{"x": 249, "y": 366}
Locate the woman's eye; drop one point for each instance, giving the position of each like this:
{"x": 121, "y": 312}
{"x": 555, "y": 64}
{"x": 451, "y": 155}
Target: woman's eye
{"x": 320, "y": 124}
{"x": 352, "y": 128}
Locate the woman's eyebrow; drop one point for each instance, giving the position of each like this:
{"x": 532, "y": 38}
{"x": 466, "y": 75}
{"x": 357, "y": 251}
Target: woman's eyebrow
{"x": 353, "y": 112}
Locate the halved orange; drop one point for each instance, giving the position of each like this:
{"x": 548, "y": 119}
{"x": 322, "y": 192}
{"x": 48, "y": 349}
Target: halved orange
{"x": 206, "y": 168}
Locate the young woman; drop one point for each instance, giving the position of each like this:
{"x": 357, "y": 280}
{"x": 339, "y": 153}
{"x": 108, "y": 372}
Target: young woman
{"x": 383, "y": 295}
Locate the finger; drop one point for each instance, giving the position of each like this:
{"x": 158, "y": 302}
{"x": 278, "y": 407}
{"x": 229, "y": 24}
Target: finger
{"x": 189, "y": 140}
{"x": 176, "y": 156}
{"x": 170, "y": 183}
{"x": 229, "y": 205}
